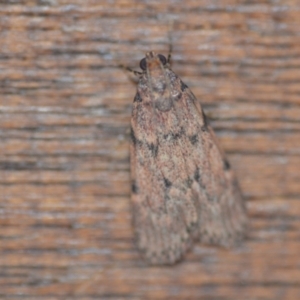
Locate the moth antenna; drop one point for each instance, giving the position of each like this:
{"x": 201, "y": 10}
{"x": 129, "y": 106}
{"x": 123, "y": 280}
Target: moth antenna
{"x": 171, "y": 26}
{"x": 137, "y": 73}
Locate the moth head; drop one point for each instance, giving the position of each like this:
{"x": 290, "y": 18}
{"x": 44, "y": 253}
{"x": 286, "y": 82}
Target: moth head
{"x": 151, "y": 57}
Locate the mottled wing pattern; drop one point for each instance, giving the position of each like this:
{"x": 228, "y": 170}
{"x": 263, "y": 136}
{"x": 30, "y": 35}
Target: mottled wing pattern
{"x": 222, "y": 213}
{"x": 182, "y": 186}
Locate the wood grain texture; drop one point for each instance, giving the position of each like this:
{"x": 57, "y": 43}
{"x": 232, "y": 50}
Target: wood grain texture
{"x": 65, "y": 213}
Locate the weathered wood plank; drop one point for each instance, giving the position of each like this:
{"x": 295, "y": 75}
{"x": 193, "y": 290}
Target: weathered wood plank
{"x": 65, "y": 214}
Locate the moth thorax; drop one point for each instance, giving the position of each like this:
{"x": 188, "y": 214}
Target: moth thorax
{"x": 163, "y": 102}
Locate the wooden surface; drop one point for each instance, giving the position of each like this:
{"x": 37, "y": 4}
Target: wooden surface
{"x": 64, "y": 118}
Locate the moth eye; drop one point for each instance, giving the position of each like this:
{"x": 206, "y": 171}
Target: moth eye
{"x": 143, "y": 64}
{"x": 162, "y": 59}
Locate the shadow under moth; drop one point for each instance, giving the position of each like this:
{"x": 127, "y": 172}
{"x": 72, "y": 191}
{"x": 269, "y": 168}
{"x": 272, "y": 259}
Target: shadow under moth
{"x": 183, "y": 188}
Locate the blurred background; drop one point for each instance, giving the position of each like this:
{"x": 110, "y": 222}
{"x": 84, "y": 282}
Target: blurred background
{"x": 65, "y": 214}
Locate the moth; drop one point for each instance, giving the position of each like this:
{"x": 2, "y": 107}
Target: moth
{"x": 183, "y": 188}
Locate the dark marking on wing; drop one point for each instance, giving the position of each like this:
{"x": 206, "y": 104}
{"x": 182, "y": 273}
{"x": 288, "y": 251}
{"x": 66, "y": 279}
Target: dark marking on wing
{"x": 205, "y": 122}
{"x": 191, "y": 227}
{"x": 175, "y": 135}
{"x": 167, "y": 182}
{"x": 135, "y": 141}
{"x": 137, "y": 98}
{"x": 153, "y": 148}
{"x": 197, "y": 174}
{"x": 205, "y": 119}
{"x": 134, "y": 187}
{"x": 226, "y": 164}
{"x": 193, "y": 139}
{"x": 183, "y": 86}
{"x": 132, "y": 135}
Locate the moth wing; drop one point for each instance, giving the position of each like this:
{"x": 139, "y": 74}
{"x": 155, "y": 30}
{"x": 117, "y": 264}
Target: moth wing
{"x": 165, "y": 212}
{"x": 222, "y": 212}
